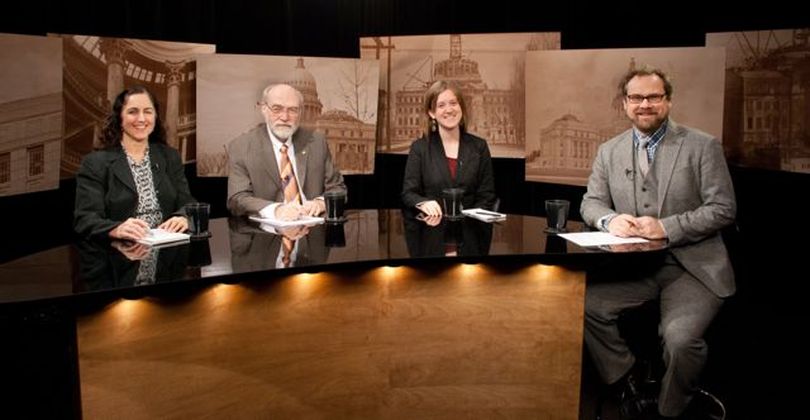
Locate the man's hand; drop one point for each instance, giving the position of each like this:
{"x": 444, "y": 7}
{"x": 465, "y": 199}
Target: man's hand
{"x": 623, "y": 226}
{"x": 314, "y": 207}
{"x": 289, "y": 211}
{"x": 649, "y": 228}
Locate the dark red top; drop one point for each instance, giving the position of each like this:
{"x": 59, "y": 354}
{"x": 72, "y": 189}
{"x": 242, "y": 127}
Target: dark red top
{"x": 453, "y": 165}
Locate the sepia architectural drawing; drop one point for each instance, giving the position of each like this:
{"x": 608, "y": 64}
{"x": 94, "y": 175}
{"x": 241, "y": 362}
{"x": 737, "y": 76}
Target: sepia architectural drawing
{"x": 487, "y": 67}
{"x": 31, "y": 113}
{"x": 97, "y": 69}
{"x": 767, "y": 102}
{"x": 340, "y": 101}
{"x": 572, "y": 105}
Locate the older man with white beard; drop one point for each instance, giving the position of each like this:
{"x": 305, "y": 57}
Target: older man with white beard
{"x": 277, "y": 170}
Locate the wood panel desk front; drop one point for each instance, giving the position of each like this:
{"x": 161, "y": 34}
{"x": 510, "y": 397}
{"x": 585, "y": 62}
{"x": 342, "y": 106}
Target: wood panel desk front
{"x": 378, "y": 324}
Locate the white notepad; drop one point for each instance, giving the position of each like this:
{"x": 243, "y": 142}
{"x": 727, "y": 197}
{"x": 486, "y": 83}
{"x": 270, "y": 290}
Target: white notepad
{"x": 302, "y": 221}
{"x": 484, "y": 215}
{"x": 160, "y": 237}
{"x": 599, "y": 238}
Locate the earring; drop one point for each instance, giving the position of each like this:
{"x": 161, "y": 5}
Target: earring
{"x": 433, "y": 127}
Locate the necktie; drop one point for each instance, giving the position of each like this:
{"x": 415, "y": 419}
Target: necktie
{"x": 643, "y": 158}
{"x": 287, "y": 245}
{"x": 288, "y": 182}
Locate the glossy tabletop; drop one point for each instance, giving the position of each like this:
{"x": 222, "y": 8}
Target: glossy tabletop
{"x": 238, "y": 247}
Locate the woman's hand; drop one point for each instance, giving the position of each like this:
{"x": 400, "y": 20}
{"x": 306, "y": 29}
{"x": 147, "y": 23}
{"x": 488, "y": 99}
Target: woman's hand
{"x": 433, "y": 220}
{"x": 430, "y": 208}
{"x": 175, "y": 224}
{"x": 131, "y": 229}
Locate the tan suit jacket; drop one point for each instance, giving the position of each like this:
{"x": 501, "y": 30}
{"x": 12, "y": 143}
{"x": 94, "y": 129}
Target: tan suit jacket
{"x": 254, "y": 181}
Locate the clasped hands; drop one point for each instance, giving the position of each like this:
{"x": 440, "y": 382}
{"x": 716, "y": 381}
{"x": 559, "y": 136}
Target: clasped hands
{"x": 625, "y": 225}
{"x": 133, "y": 229}
{"x": 431, "y": 212}
{"x": 294, "y": 211}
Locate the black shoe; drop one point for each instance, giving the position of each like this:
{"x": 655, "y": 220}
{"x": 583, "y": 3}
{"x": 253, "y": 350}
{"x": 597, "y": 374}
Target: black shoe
{"x": 638, "y": 397}
{"x": 704, "y": 406}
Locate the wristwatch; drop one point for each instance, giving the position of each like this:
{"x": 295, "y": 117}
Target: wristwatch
{"x": 605, "y": 221}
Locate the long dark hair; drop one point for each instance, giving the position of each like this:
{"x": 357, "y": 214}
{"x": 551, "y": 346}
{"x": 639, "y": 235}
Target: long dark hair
{"x": 112, "y": 134}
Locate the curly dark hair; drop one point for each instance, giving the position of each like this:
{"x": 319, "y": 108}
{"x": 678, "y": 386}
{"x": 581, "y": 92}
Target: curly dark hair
{"x": 644, "y": 71}
{"x": 112, "y": 133}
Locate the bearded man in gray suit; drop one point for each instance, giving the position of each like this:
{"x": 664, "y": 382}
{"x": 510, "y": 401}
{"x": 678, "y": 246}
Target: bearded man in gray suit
{"x": 257, "y": 159}
{"x": 660, "y": 180}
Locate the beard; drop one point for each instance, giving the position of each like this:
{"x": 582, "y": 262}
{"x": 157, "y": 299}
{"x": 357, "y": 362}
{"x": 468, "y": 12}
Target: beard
{"x": 283, "y": 132}
{"x": 649, "y": 123}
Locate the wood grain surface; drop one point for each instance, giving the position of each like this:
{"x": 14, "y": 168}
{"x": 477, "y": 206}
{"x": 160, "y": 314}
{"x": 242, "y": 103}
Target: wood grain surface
{"x": 468, "y": 341}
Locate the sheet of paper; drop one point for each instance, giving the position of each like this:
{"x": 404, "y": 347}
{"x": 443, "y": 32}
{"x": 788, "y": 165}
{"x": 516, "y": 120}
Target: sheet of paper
{"x": 303, "y": 221}
{"x": 599, "y": 238}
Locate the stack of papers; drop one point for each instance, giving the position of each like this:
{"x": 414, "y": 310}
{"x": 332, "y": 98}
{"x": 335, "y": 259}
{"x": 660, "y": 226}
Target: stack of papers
{"x": 302, "y": 221}
{"x": 484, "y": 215}
{"x": 160, "y": 237}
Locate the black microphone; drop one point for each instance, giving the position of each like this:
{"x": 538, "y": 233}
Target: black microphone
{"x": 628, "y": 172}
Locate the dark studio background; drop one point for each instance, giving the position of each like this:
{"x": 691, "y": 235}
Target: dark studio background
{"x": 755, "y": 352}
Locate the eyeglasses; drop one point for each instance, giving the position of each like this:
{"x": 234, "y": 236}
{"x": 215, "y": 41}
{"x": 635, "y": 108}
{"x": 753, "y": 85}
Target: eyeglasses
{"x": 655, "y": 98}
{"x": 292, "y": 111}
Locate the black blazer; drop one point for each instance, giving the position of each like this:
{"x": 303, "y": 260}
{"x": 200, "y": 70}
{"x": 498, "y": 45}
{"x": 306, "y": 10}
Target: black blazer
{"x": 106, "y": 194}
{"x": 427, "y": 174}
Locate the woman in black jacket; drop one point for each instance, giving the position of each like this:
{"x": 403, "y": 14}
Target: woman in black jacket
{"x": 447, "y": 156}
{"x": 136, "y": 182}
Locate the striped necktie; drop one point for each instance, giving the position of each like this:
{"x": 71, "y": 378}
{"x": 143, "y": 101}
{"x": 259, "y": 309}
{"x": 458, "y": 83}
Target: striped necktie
{"x": 288, "y": 182}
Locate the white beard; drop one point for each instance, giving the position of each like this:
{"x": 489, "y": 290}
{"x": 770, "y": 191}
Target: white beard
{"x": 283, "y": 133}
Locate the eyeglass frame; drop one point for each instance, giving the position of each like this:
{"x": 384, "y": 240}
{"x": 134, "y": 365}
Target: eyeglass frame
{"x": 655, "y": 98}
{"x": 277, "y": 110}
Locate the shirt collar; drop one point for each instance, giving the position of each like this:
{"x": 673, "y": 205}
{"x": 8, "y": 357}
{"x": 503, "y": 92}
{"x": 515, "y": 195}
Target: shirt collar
{"x": 654, "y": 138}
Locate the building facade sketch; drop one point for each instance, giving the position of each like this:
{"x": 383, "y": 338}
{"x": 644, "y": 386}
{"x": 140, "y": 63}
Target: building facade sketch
{"x": 97, "y": 69}
{"x": 340, "y": 102}
{"x": 767, "y": 108}
{"x": 31, "y": 113}
{"x": 572, "y": 105}
{"x": 487, "y": 67}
